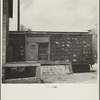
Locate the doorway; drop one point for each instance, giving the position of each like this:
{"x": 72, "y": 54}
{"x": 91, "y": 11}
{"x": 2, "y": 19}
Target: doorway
{"x": 31, "y": 51}
{"x": 43, "y": 51}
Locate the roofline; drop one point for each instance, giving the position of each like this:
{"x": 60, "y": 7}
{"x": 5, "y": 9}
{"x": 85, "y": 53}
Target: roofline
{"x": 54, "y": 31}
{"x": 49, "y": 32}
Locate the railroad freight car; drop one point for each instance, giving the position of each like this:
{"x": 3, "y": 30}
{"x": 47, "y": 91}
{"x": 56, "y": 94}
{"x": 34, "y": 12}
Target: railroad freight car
{"x": 45, "y": 46}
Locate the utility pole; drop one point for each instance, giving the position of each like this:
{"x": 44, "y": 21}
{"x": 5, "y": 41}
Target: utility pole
{"x": 18, "y": 20}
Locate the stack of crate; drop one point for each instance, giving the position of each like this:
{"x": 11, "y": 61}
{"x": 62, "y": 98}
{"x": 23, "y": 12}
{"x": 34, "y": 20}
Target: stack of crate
{"x": 60, "y": 47}
{"x": 74, "y": 48}
{"x": 56, "y": 70}
{"x": 81, "y": 49}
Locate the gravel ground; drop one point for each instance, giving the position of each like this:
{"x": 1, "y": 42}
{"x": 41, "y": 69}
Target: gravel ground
{"x": 85, "y": 77}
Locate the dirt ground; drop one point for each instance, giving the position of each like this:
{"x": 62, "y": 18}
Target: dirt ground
{"x": 85, "y": 77}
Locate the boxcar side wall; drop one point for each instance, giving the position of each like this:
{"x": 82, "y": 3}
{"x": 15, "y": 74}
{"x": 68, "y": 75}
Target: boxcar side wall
{"x": 77, "y": 49}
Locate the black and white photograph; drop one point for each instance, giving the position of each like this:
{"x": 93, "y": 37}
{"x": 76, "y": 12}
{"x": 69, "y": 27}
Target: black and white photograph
{"x": 50, "y": 41}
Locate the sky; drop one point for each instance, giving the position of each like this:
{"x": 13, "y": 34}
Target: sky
{"x": 56, "y": 15}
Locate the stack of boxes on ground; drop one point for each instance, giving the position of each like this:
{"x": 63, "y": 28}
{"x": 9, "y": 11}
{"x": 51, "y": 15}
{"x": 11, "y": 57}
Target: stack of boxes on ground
{"x": 56, "y": 70}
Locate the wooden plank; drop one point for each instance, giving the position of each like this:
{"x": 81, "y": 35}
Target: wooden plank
{"x": 50, "y": 32}
{"x": 38, "y": 74}
{"x": 49, "y": 49}
{"x": 22, "y": 80}
{"x": 21, "y": 64}
{"x": 34, "y": 63}
{"x": 56, "y": 62}
{"x": 32, "y": 80}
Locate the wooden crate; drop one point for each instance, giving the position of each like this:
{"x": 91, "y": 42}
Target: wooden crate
{"x": 31, "y": 65}
{"x": 74, "y": 48}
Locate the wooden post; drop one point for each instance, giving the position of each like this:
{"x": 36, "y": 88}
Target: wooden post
{"x": 18, "y": 27}
{"x": 38, "y": 76}
{"x": 49, "y": 49}
{"x": 5, "y": 30}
